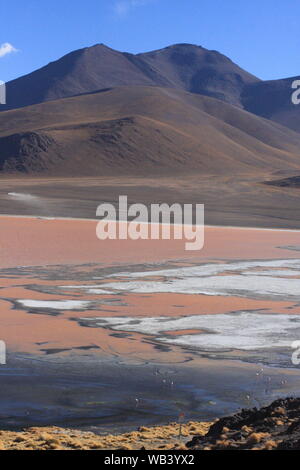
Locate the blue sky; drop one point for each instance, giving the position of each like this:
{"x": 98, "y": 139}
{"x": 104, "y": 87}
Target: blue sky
{"x": 262, "y": 36}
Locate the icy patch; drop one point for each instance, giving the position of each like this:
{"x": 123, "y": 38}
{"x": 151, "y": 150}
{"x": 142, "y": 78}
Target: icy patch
{"x": 212, "y": 269}
{"x": 246, "y": 331}
{"x": 56, "y": 304}
{"x": 273, "y": 273}
{"x": 271, "y": 279}
{"x": 91, "y": 289}
{"x": 245, "y": 279}
{"x": 245, "y": 286}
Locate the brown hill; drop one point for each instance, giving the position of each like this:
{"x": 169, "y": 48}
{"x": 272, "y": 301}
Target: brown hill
{"x": 142, "y": 130}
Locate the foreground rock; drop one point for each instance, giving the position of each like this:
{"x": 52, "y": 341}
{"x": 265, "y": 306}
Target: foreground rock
{"x": 276, "y": 427}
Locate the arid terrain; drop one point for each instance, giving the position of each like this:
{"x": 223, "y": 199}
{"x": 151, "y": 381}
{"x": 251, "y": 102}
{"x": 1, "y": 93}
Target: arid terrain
{"x": 232, "y": 200}
{"x": 181, "y": 124}
{"x": 161, "y": 438}
{"x": 142, "y": 131}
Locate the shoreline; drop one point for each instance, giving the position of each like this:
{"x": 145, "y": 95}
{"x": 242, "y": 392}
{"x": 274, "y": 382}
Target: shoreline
{"x": 272, "y": 427}
{"x": 85, "y": 392}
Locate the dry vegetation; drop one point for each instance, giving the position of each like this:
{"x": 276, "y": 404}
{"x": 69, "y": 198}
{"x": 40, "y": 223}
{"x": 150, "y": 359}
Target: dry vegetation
{"x": 161, "y": 437}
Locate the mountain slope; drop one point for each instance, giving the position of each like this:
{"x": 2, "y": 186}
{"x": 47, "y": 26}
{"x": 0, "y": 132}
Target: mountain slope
{"x": 273, "y": 100}
{"x": 198, "y": 70}
{"x": 142, "y": 130}
{"x": 81, "y": 71}
{"x": 182, "y": 66}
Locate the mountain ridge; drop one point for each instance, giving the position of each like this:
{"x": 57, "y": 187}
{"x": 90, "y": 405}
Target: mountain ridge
{"x": 184, "y": 66}
{"x": 99, "y": 66}
{"x": 182, "y": 108}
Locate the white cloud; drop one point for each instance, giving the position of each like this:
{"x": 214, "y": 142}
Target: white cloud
{"x": 123, "y": 7}
{"x": 6, "y": 48}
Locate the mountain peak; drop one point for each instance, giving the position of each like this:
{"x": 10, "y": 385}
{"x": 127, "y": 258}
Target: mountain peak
{"x": 183, "y": 45}
{"x": 99, "y": 45}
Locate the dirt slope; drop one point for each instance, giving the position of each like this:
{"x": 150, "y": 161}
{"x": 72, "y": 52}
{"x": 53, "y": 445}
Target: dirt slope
{"x": 142, "y": 130}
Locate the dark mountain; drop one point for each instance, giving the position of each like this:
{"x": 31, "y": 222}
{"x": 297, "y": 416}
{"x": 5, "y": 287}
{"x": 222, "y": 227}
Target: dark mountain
{"x": 81, "y": 71}
{"x": 181, "y": 108}
{"x": 201, "y": 71}
{"x": 183, "y": 66}
{"x": 142, "y": 131}
{"x": 273, "y": 100}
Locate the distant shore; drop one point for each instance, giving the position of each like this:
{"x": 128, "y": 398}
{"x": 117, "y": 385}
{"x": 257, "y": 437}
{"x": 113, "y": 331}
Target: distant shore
{"x": 230, "y": 201}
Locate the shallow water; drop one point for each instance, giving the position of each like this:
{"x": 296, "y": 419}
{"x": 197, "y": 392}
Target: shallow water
{"x": 98, "y": 344}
